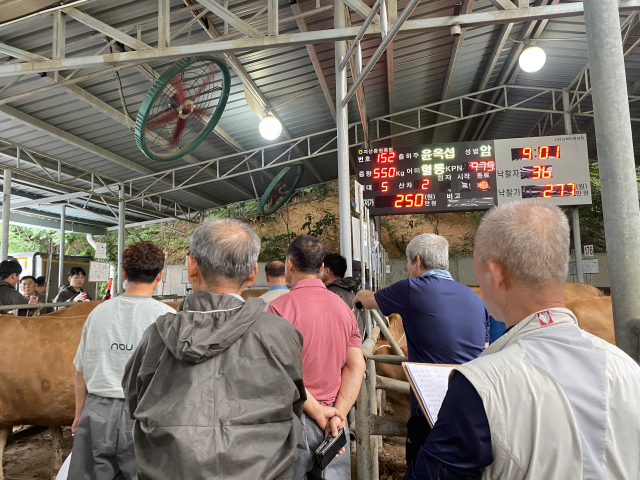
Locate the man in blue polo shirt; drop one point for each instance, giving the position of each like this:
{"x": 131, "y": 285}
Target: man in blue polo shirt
{"x": 445, "y": 321}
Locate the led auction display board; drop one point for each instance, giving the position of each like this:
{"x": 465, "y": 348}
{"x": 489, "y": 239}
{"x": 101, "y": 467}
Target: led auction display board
{"x": 474, "y": 175}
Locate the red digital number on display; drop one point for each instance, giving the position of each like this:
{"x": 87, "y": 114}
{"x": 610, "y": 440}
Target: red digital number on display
{"x": 384, "y": 187}
{"x": 409, "y": 200}
{"x": 386, "y": 157}
{"x": 384, "y": 172}
{"x": 545, "y": 151}
{"x": 563, "y": 190}
{"x": 425, "y": 184}
{"x": 527, "y": 152}
{"x": 541, "y": 171}
{"x": 489, "y": 166}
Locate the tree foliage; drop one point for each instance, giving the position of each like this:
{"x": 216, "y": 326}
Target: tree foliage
{"x": 591, "y": 216}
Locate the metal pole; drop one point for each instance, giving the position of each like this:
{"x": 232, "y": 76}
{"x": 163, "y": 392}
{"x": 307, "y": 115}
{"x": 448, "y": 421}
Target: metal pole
{"x": 6, "y": 213}
{"x": 120, "y": 236}
{"x": 356, "y": 41}
{"x": 363, "y": 442}
{"x": 360, "y": 201}
{"x": 342, "y": 121}
{"x": 47, "y": 277}
{"x": 371, "y": 380}
{"x": 380, "y": 50}
{"x": 575, "y": 214}
{"x": 63, "y": 221}
{"x": 617, "y": 167}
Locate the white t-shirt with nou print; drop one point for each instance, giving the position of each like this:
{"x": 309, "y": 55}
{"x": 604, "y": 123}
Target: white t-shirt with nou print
{"x": 110, "y": 335}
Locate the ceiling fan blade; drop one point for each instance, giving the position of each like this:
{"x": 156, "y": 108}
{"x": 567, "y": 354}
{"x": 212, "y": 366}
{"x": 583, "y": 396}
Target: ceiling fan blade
{"x": 176, "y": 83}
{"x": 182, "y": 122}
{"x": 161, "y": 119}
{"x": 208, "y": 79}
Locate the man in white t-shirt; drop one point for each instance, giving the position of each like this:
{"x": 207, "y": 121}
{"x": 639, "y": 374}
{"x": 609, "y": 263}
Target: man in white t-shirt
{"x": 103, "y": 444}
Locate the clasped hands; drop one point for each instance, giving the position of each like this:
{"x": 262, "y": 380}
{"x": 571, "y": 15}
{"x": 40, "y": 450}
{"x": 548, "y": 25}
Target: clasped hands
{"x": 330, "y": 419}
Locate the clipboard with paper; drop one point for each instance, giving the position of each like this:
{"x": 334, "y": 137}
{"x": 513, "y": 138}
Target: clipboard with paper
{"x": 429, "y": 383}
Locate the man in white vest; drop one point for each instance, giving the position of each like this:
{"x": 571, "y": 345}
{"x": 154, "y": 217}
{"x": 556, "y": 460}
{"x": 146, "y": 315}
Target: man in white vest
{"x": 547, "y": 400}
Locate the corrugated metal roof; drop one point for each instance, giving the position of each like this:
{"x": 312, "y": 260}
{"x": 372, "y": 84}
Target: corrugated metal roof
{"x": 287, "y": 79}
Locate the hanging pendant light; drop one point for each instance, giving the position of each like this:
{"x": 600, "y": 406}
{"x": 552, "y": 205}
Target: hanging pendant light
{"x": 532, "y": 59}
{"x": 270, "y": 127}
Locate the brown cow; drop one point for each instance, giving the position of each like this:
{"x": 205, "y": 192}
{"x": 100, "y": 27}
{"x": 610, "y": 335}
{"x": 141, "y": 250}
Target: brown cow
{"x": 572, "y": 291}
{"x": 36, "y": 369}
{"x": 399, "y": 402}
{"x": 595, "y": 315}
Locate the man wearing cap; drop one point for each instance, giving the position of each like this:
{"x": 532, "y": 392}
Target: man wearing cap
{"x": 10, "y": 271}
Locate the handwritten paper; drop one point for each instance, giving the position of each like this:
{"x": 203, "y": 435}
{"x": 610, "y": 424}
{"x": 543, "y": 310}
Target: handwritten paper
{"x": 98, "y": 272}
{"x": 430, "y": 383}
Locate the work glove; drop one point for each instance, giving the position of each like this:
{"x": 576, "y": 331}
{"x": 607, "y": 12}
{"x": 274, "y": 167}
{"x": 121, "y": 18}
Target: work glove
{"x": 81, "y": 297}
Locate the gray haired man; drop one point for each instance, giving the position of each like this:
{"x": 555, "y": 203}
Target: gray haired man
{"x": 445, "y": 321}
{"x": 546, "y": 400}
{"x": 216, "y": 389}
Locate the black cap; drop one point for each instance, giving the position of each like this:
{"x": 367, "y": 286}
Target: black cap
{"x": 9, "y": 267}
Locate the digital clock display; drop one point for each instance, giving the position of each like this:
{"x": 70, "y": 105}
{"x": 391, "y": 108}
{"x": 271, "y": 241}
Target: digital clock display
{"x": 543, "y": 152}
{"x": 549, "y": 190}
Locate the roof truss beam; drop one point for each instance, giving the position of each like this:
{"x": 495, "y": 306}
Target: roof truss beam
{"x": 105, "y": 29}
{"x": 500, "y": 42}
{"x": 316, "y": 36}
{"x": 504, "y": 4}
{"x": 231, "y": 18}
{"x": 311, "y": 50}
{"x": 361, "y": 9}
{"x": 458, "y": 41}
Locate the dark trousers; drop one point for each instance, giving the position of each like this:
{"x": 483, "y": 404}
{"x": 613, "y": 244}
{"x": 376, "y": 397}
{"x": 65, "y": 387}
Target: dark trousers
{"x": 418, "y": 430}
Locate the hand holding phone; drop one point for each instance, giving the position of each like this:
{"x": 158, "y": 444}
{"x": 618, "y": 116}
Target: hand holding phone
{"x": 330, "y": 448}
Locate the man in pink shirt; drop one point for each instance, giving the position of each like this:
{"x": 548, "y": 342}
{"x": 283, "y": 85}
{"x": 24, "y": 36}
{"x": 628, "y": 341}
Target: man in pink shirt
{"x": 332, "y": 361}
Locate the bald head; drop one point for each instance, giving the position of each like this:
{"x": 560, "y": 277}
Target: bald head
{"x": 274, "y": 269}
{"x": 275, "y": 273}
{"x": 225, "y": 248}
{"x": 529, "y": 238}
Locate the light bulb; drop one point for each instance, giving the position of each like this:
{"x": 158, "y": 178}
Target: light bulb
{"x": 270, "y": 127}
{"x": 532, "y": 59}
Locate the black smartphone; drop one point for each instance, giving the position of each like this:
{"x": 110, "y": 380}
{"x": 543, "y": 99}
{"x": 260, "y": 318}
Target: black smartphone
{"x": 328, "y": 449}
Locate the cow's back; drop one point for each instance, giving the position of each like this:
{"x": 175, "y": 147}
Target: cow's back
{"x": 577, "y": 291}
{"x": 36, "y": 369}
{"x": 595, "y": 315}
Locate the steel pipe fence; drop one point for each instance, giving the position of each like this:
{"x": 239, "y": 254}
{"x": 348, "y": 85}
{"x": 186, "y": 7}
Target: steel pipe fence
{"x": 370, "y": 423}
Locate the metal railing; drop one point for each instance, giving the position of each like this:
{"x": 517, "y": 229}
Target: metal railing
{"x": 370, "y": 422}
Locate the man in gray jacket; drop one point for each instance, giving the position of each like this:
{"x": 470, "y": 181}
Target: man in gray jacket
{"x": 216, "y": 389}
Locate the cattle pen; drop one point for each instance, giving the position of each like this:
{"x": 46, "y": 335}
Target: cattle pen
{"x": 370, "y": 422}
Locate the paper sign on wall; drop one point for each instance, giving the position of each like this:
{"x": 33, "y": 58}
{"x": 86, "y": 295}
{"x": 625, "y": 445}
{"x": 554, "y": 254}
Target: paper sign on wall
{"x": 101, "y": 250}
{"x": 588, "y": 250}
{"x": 588, "y": 266}
{"x": 98, "y": 272}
